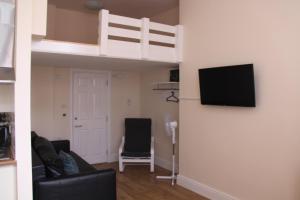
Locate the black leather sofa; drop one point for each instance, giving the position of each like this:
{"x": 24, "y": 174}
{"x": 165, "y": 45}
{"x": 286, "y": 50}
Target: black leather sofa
{"x": 88, "y": 184}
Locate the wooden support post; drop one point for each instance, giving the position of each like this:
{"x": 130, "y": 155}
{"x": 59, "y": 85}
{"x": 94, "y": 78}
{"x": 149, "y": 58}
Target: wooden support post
{"x": 145, "y": 38}
{"x": 103, "y": 31}
{"x": 179, "y": 43}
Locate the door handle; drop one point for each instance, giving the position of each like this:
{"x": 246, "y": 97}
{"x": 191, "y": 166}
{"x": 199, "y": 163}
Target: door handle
{"x": 78, "y": 126}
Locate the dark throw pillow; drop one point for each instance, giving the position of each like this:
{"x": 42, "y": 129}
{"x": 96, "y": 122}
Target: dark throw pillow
{"x": 70, "y": 165}
{"x": 48, "y": 155}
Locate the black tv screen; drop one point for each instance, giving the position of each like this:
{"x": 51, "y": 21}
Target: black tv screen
{"x": 228, "y": 86}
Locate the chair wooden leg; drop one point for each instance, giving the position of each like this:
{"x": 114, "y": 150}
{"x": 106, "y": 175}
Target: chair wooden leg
{"x": 121, "y": 165}
{"x": 152, "y": 168}
{"x": 152, "y": 165}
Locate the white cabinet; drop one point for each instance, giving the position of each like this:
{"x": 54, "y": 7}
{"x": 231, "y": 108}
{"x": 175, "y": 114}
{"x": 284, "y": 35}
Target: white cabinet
{"x": 8, "y": 182}
{"x": 7, "y": 21}
{"x": 39, "y": 18}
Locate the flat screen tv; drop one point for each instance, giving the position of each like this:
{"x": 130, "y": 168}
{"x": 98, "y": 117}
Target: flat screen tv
{"x": 228, "y": 86}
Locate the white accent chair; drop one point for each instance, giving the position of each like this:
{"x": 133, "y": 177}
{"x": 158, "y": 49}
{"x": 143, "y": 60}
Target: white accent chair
{"x": 137, "y": 146}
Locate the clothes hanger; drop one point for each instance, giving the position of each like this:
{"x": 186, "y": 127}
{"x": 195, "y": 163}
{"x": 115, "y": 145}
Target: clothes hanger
{"x": 173, "y": 98}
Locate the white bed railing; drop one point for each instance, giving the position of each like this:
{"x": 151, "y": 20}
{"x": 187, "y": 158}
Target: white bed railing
{"x": 126, "y": 37}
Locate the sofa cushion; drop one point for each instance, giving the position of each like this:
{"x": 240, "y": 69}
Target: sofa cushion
{"x": 82, "y": 164}
{"x": 70, "y": 165}
{"x": 48, "y": 155}
{"x": 61, "y": 145}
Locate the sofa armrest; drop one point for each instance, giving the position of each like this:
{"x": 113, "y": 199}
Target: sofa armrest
{"x": 93, "y": 186}
{"x": 38, "y": 167}
{"x": 63, "y": 145}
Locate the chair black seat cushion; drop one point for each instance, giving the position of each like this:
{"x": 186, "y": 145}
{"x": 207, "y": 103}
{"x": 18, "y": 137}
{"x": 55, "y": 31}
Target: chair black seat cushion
{"x": 137, "y": 135}
{"x": 136, "y": 154}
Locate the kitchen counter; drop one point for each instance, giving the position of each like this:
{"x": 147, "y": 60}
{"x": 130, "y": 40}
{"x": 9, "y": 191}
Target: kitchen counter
{"x": 10, "y": 161}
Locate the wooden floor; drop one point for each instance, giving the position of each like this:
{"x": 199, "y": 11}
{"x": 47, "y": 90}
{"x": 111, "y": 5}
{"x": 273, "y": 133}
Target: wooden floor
{"x": 137, "y": 183}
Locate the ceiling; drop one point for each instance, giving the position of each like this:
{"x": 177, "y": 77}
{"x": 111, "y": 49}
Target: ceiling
{"x": 130, "y": 8}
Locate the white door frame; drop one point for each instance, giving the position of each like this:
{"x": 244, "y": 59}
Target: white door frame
{"x": 73, "y": 71}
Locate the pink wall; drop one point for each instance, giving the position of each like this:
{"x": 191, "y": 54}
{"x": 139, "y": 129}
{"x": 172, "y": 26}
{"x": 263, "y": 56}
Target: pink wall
{"x": 72, "y": 26}
{"x": 170, "y": 17}
{"x": 82, "y": 26}
{"x": 249, "y": 153}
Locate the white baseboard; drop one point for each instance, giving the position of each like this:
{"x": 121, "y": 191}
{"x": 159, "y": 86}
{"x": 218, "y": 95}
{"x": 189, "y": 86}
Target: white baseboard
{"x": 202, "y": 189}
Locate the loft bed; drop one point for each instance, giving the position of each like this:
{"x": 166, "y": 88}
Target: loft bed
{"x": 122, "y": 38}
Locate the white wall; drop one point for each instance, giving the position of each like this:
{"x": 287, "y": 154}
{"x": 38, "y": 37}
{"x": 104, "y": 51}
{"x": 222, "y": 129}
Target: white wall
{"x": 154, "y": 106}
{"x": 16, "y": 180}
{"x": 51, "y": 98}
{"x": 39, "y": 18}
{"x": 249, "y": 153}
{"x": 170, "y": 17}
{"x": 6, "y": 98}
{"x": 22, "y": 99}
{"x": 72, "y": 25}
{"x": 125, "y": 99}
{"x": 8, "y": 182}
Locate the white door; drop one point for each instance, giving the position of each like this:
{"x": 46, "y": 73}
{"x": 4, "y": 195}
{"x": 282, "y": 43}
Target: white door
{"x": 90, "y": 119}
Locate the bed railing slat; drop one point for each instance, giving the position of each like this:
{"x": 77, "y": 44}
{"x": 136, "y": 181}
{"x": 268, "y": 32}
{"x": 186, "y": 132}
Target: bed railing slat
{"x": 145, "y": 37}
{"x": 125, "y": 21}
{"x": 120, "y": 32}
{"x": 162, "y": 27}
{"x": 162, "y": 38}
{"x": 149, "y": 40}
{"x": 103, "y": 31}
